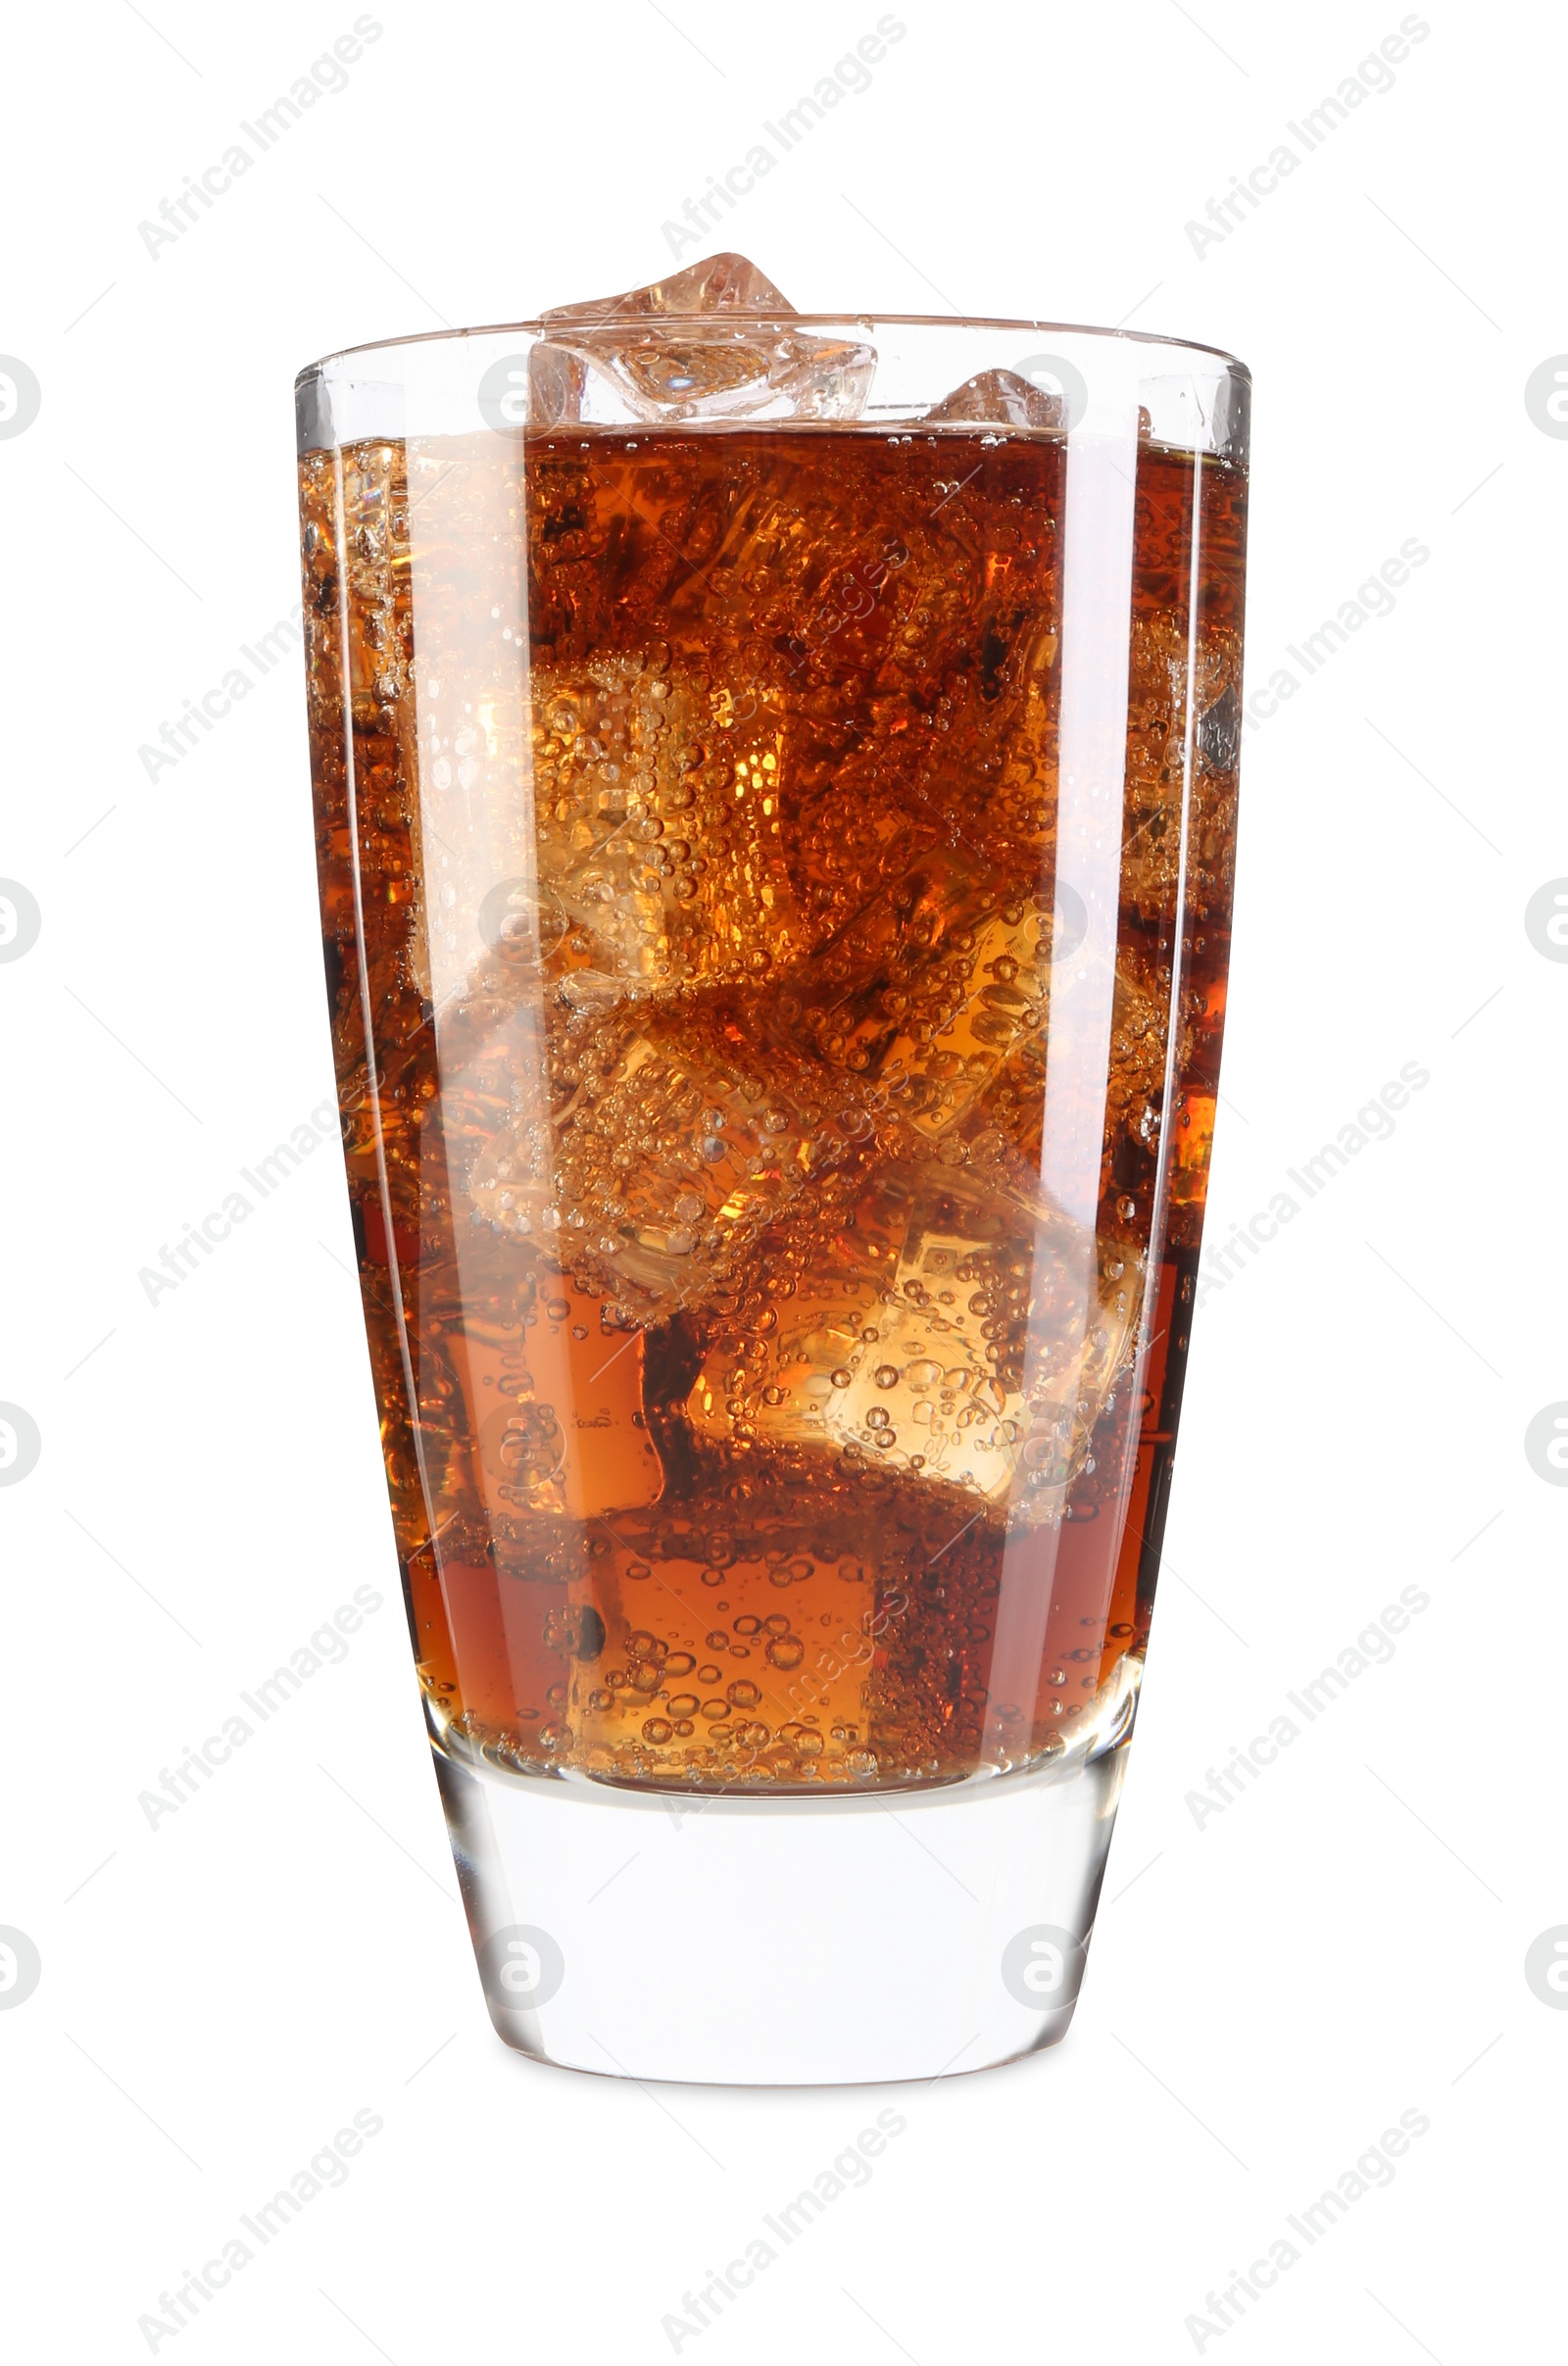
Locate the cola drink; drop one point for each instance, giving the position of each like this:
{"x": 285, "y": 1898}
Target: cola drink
{"x": 711, "y": 977}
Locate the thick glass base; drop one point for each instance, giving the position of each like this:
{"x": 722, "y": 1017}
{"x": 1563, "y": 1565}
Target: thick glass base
{"x": 793, "y": 1941}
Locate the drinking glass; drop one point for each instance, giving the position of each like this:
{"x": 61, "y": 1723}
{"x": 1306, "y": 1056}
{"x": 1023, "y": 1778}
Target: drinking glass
{"x": 775, "y": 785}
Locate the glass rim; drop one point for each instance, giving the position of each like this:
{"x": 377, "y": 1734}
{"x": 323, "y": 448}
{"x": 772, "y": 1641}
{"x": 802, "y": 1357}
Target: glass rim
{"x": 564, "y": 325}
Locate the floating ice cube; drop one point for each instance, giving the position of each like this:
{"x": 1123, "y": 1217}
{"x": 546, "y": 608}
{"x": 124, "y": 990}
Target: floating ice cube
{"x": 1000, "y": 398}
{"x": 621, "y": 376}
{"x": 722, "y": 284}
{"x": 712, "y": 341}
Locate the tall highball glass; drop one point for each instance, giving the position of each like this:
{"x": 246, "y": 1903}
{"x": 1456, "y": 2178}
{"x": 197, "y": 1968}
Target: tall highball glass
{"x": 775, "y": 781}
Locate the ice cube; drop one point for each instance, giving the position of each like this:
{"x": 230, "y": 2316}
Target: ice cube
{"x": 931, "y": 988}
{"x": 941, "y": 1331}
{"x": 1000, "y": 398}
{"x": 712, "y": 341}
{"x": 706, "y": 1662}
{"x": 722, "y": 283}
{"x": 656, "y": 803}
{"x": 655, "y": 1146}
{"x": 533, "y": 1359}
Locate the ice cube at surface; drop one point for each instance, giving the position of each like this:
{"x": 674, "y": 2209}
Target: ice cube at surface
{"x": 720, "y": 284}
{"x": 710, "y": 342}
{"x": 1000, "y": 398}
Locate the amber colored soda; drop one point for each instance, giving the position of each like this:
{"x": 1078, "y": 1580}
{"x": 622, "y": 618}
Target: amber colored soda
{"x": 686, "y": 808}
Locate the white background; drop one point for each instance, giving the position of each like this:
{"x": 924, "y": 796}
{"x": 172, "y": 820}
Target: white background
{"x": 1269, "y": 1991}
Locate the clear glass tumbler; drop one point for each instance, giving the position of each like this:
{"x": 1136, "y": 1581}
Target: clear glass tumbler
{"x": 775, "y": 781}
